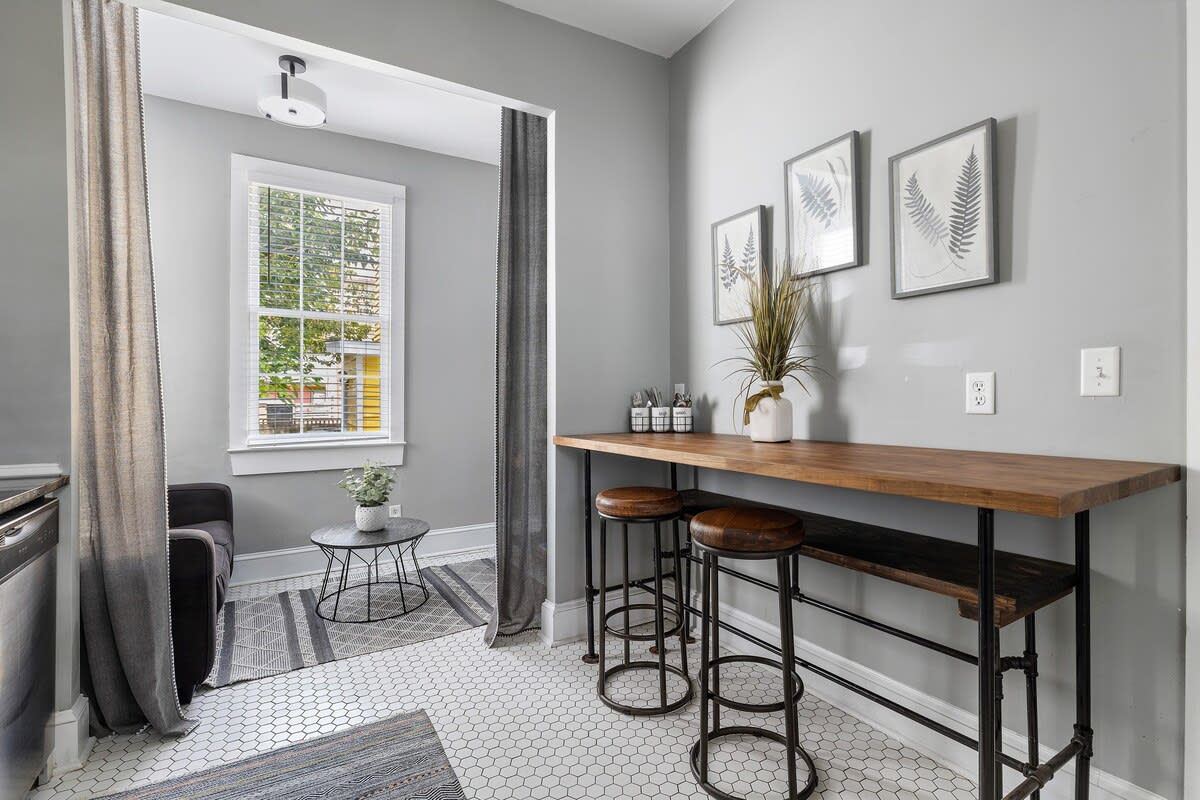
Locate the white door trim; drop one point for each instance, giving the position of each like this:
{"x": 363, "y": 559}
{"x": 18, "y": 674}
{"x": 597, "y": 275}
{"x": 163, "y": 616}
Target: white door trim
{"x": 1191, "y": 740}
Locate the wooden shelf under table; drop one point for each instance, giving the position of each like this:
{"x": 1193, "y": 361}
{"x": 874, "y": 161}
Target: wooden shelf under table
{"x": 1024, "y": 584}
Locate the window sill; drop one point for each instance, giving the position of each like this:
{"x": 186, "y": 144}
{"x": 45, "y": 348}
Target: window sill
{"x": 313, "y": 456}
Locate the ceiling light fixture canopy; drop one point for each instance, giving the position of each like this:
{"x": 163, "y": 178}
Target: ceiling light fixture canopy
{"x": 290, "y": 100}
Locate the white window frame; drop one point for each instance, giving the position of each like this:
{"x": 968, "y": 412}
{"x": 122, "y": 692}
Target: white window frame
{"x": 253, "y": 455}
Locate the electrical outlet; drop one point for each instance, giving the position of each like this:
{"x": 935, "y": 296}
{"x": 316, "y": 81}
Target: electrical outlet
{"x": 396, "y": 510}
{"x": 1100, "y": 372}
{"x": 981, "y": 393}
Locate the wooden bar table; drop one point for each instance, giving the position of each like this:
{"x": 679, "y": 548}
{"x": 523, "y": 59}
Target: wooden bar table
{"x": 1044, "y": 486}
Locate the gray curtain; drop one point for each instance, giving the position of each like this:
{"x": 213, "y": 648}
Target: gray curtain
{"x": 520, "y": 377}
{"x": 120, "y": 469}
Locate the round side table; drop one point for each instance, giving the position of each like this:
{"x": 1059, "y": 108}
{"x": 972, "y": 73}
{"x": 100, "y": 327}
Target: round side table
{"x": 344, "y": 542}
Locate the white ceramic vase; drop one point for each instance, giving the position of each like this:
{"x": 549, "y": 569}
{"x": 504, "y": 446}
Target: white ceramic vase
{"x": 370, "y": 518}
{"x": 771, "y": 420}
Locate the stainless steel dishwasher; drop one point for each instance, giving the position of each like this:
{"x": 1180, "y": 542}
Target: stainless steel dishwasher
{"x": 28, "y": 537}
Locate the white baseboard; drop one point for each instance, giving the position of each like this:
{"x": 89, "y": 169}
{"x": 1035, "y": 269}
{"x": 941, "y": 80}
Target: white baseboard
{"x": 941, "y": 749}
{"x": 70, "y": 742}
{"x": 29, "y": 471}
{"x": 294, "y": 562}
{"x": 567, "y": 622}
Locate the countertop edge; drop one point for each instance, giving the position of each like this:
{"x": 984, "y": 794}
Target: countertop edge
{"x": 33, "y": 493}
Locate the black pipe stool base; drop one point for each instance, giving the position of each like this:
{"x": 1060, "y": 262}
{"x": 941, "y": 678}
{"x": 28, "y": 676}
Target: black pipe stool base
{"x": 644, "y": 711}
{"x": 746, "y": 730}
{"x": 671, "y": 631}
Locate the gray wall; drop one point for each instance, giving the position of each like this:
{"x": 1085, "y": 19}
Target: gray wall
{"x": 35, "y": 404}
{"x": 1088, "y": 98}
{"x": 610, "y": 126}
{"x": 450, "y": 338}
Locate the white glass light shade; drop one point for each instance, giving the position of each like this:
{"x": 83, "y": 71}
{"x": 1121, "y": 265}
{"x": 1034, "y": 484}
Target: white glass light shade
{"x": 303, "y": 107}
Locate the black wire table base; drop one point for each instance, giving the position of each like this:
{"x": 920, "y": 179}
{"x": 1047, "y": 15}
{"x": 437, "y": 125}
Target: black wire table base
{"x": 397, "y": 554}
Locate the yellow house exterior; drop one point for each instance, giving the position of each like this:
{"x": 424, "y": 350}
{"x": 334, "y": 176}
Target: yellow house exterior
{"x": 362, "y": 384}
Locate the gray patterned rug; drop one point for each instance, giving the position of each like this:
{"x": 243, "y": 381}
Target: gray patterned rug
{"x": 262, "y": 636}
{"x": 398, "y": 759}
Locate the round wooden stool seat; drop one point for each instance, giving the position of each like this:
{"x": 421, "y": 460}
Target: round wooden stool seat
{"x": 747, "y": 532}
{"x": 639, "y": 502}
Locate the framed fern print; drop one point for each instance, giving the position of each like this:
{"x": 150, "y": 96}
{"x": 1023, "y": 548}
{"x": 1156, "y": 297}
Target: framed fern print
{"x": 944, "y": 213}
{"x": 823, "y": 207}
{"x": 736, "y": 257}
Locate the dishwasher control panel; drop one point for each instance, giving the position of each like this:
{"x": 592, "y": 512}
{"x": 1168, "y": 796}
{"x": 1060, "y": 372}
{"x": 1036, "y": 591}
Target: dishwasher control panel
{"x": 27, "y": 533}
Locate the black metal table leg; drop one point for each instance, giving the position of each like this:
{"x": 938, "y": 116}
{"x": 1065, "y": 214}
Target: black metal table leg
{"x": 788, "y": 644}
{"x": 343, "y": 582}
{"x": 1083, "y": 653}
{"x": 659, "y": 620}
{"x": 999, "y": 726}
{"x": 328, "y": 569}
{"x": 707, "y": 578}
{"x": 988, "y": 788}
{"x": 1031, "y": 705}
{"x": 589, "y": 592}
{"x": 624, "y": 585}
{"x": 601, "y": 684}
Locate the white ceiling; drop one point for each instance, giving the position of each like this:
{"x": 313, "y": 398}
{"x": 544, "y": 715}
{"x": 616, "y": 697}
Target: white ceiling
{"x": 657, "y": 26}
{"x": 196, "y": 64}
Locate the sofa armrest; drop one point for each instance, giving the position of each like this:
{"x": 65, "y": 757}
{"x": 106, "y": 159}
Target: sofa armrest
{"x": 193, "y": 607}
{"x": 189, "y": 503}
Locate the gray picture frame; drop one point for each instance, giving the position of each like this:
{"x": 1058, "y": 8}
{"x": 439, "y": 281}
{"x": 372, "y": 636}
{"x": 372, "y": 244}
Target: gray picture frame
{"x": 856, "y": 211}
{"x": 759, "y": 217}
{"x": 988, "y": 215}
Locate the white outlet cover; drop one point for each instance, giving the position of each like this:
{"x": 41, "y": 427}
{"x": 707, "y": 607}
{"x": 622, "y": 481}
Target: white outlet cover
{"x": 396, "y": 511}
{"x": 1100, "y": 372}
{"x": 981, "y": 392}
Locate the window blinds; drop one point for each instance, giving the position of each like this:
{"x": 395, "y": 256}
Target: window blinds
{"x": 319, "y": 308}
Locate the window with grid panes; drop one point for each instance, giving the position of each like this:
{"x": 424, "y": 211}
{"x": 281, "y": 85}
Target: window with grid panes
{"x": 318, "y": 350}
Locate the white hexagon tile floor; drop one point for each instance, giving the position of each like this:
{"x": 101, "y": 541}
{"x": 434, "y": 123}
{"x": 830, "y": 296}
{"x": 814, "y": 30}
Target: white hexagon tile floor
{"x": 522, "y": 721}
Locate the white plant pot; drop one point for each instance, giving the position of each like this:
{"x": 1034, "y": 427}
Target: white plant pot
{"x": 370, "y": 518}
{"x": 771, "y": 420}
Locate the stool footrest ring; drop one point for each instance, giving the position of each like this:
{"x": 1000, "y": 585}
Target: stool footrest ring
{"x": 643, "y": 637}
{"x": 753, "y": 708}
{"x": 643, "y": 711}
{"x": 802, "y": 793}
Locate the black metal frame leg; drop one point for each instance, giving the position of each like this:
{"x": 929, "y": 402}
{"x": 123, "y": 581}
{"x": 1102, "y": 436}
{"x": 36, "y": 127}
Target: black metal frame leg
{"x": 989, "y": 788}
{"x": 1083, "y": 654}
{"x": 1031, "y": 698}
{"x": 589, "y": 592}
{"x": 601, "y": 683}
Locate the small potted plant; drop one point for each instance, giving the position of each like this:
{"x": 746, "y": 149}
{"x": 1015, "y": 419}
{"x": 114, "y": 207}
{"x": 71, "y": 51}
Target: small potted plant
{"x": 370, "y": 490}
{"x": 779, "y": 311}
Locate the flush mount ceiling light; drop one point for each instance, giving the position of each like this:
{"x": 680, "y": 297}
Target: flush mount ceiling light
{"x": 287, "y": 99}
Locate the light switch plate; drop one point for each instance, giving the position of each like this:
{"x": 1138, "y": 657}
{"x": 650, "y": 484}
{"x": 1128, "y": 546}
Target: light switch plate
{"x": 981, "y": 393}
{"x": 1100, "y": 372}
{"x": 396, "y": 510}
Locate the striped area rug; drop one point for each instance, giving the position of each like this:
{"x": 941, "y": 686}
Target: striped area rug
{"x": 275, "y": 633}
{"x": 398, "y": 759}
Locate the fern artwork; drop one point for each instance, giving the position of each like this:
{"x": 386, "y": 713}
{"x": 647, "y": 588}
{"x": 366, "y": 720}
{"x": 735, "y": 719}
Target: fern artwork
{"x": 737, "y": 263}
{"x": 823, "y": 207}
{"x": 943, "y": 210}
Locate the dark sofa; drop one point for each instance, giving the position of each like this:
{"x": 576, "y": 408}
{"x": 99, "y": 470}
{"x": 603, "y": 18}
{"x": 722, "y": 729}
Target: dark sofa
{"x": 201, "y": 563}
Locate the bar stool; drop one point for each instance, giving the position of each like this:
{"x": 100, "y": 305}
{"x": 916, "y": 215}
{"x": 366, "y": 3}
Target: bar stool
{"x": 747, "y": 533}
{"x": 644, "y": 505}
